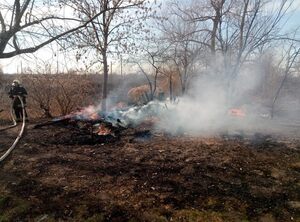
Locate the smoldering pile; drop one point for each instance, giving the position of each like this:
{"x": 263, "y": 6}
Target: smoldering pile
{"x": 90, "y": 125}
{"x": 185, "y": 117}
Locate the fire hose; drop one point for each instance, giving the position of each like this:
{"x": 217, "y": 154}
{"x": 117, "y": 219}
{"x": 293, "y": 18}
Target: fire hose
{"x": 14, "y": 125}
{"x": 13, "y": 119}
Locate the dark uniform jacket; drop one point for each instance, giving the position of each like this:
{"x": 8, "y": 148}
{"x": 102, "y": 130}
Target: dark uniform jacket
{"x": 17, "y": 91}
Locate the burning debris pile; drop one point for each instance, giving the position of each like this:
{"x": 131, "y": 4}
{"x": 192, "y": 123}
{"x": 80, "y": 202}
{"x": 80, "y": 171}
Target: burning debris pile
{"x": 91, "y": 125}
{"x": 184, "y": 117}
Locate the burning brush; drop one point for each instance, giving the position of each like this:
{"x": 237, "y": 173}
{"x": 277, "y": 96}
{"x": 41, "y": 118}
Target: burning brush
{"x": 92, "y": 119}
{"x": 103, "y": 129}
{"x": 237, "y": 112}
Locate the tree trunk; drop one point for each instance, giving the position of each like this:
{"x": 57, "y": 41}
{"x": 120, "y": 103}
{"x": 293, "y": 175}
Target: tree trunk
{"x": 105, "y": 82}
{"x": 214, "y": 35}
{"x": 289, "y": 65}
{"x": 278, "y": 92}
{"x": 171, "y": 88}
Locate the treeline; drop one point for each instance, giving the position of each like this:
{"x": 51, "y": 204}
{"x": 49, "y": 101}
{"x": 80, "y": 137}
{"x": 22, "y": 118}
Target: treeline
{"x": 245, "y": 46}
{"x": 52, "y": 95}
{"x": 60, "y": 94}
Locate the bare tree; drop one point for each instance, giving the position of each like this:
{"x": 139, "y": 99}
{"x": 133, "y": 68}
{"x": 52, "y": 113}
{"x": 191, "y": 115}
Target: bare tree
{"x": 183, "y": 37}
{"x": 246, "y": 30}
{"x": 71, "y": 92}
{"x": 171, "y": 83}
{"x": 42, "y": 91}
{"x": 291, "y": 56}
{"x": 1, "y": 84}
{"x": 1, "y": 75}
{"x": 185, "y": 56}
{"x": 205, "y": 17}
{"x": 28, "y": 25}
{"x": 112, "y": 32}
{"x": 151, "y": 63}
{"x": 234, "y": 31}
{"x": 214, "y": 13}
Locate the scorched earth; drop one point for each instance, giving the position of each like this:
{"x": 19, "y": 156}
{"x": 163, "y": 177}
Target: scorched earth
{"x": 57, "y": 173}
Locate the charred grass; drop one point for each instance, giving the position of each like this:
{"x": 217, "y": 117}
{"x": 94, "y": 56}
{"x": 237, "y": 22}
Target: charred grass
{"x": 51, "y": 177}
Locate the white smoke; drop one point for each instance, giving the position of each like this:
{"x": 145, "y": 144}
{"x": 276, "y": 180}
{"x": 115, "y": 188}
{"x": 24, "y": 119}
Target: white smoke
{"x": 206, "y": 110}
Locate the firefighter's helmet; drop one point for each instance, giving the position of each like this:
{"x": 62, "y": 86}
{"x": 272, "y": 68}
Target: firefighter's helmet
{"x": 16, "y": 82}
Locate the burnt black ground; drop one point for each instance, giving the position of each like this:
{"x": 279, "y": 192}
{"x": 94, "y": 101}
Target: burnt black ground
{"x": 143, "y": 175}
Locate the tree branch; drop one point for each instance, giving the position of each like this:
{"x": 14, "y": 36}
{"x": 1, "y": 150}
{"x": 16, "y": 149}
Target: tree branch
{"x": 3, "y": 28}
{"x": 35, "y": 48}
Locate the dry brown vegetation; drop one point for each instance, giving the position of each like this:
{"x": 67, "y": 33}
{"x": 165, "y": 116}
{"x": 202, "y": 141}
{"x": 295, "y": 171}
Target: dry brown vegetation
{"x": 56, "y": 175}
{"x": 59, "y": 94}
{"x": 52, "y": 95}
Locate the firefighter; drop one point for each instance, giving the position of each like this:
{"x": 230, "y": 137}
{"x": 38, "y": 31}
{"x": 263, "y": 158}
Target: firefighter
{"x": 15, "y": 91}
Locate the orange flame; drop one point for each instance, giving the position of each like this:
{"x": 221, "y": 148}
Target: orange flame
{"x": 237, "y": 112}
{"x": 103, "y": 131}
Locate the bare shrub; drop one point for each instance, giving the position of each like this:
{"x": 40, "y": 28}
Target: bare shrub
{"x": 72, "y": 92}
{"x": 58, "y": 94}
{"x": 42, "y": 90}
{"x": 5, "y": 102}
